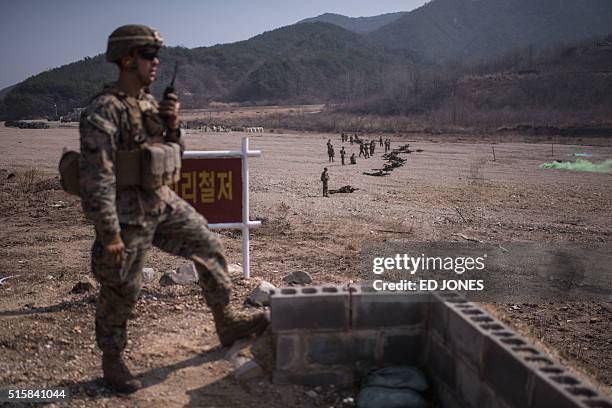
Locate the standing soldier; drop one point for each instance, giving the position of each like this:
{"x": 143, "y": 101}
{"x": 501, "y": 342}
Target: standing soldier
{"x": 380, "y": 141}
{"x": 342, "y": 154}
{"x": 372, "y": 147}
{"x": 331, "y": 154}
{"x": 325, "y": 180}
{"x": 361, "y": 150}
{"x": 351, "y": 139}
{"x": 130, "y": 214}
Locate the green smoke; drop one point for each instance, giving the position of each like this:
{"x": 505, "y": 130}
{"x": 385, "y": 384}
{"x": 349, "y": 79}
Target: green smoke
{"x": 580, "y": 165}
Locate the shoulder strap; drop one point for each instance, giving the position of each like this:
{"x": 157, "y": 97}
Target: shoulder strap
{"x": 134, "y": 114}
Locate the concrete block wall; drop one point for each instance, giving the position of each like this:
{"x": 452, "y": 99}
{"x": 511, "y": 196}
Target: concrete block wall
{"x": 325, "y": 334}
{"x": 328, "y": 334}
{"x": 476, "y": 361}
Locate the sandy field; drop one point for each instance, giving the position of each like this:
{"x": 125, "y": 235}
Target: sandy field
{"x": 451, "y": 187}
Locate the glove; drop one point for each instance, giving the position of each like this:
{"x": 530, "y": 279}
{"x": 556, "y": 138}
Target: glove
{"x": 168, "y": 110}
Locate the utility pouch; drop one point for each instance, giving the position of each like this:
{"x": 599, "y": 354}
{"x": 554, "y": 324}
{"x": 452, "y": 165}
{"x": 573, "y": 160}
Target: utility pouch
{"x": 173, "y": 163}
{"x": 127, "y": 168}
{"x": 69, "y": 172}
{"x": 152, "y": 166}
{"x": 177, "y": 161}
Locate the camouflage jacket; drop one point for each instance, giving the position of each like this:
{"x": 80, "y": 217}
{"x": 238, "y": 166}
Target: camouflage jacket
{"x": 115, "y": 121}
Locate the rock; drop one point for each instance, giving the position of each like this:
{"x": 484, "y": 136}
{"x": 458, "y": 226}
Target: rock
{"x": 249, "y": 370}
{"x": 237, "y": 349}
{"x": 83, "y": 286}
{"x": 260, "y": 296}
{"x": 185, "y": 275}
{"x": 349, "y": 401}
{"x": 235, "y": 270}
{"x": 312, "y": 394}
{"x": 298, "y": 278}
{"x": 148, "y": 275}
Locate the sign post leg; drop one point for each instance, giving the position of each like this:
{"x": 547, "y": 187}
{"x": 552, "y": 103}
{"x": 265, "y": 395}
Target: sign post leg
{"x": 245, "y": 209}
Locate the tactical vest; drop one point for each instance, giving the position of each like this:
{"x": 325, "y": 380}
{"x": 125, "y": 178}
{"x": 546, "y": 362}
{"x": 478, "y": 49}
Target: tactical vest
{"x": 142, "y": 157}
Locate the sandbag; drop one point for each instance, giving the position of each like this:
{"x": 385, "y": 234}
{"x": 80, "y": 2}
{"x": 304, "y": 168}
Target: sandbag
{"x": 397, "y": 377}
{"x": 381, "y": 397}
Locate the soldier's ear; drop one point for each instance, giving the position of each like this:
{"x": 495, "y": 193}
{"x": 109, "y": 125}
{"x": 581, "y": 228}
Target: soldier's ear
{"x": 128, "y": 62}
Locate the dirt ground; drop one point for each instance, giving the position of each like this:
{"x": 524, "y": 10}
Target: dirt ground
{"x": 47, "y": 333}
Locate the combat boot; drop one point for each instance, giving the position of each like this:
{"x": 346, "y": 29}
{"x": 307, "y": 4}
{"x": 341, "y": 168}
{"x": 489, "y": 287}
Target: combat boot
{"x": 232, "y": 326}
{"x": 117, "y": 375}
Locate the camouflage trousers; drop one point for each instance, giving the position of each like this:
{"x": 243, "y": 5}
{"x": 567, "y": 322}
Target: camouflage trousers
{"x": 180, "y": 231}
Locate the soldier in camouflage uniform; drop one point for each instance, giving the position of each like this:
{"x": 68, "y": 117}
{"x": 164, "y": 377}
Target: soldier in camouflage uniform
{"x": 129, "y": 220}
{"x": 325, "y": 181}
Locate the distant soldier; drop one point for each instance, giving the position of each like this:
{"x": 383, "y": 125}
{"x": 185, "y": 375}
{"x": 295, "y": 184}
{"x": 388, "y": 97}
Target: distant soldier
{"x": 325, "y": 181}
{"x": 329, "y": 144}
{"x": 342, "y": 154}
{"x": 351, "y": 140}
{"x": 372, "y": 147}
{"x": 353, "y": 160}
{"x": 380, "y": 141}
{"x": 366, "y": 150}
{"x": 361, "y": 150}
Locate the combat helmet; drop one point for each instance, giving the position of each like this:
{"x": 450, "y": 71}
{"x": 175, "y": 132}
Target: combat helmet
{"x": 127, "y": 37}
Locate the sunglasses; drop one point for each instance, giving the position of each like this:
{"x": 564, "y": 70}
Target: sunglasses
{"x": 148, "y": 53}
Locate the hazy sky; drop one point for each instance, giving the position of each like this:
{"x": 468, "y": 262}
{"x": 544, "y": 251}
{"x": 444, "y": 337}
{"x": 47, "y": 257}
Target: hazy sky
{"x": 38, "y": 35}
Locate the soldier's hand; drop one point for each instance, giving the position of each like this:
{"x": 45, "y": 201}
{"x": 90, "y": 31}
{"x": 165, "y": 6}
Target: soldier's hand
{"x": 114, "y": 251}
{"x": 168, "y": 110}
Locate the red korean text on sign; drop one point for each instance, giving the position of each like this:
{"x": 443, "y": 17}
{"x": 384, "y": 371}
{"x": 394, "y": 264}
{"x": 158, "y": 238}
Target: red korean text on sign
{"x": 213, "y": 186}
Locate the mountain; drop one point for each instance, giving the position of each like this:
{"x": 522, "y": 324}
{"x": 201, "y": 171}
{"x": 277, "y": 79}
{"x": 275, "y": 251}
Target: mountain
{"x": 5, "y": 91}
{"x": 360, "y": 25}
{"x": 324, "y": 62}
{"x": 453, "y": 29}
{"x": 312, "y": 62}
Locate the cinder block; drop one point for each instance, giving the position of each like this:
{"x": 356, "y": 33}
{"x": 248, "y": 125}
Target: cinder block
{"x": 310, "y": 308}
{"x": 438, "y": 320}
{"x": 506, "y": 373}
{"x": 371, "y": 309}
{"x": 465, "y": 338}
{"x": 548, "y": 394}
{"x": 402, "y": 347}
{"x": 447, "y": 397}
{"x": 469, "y": 384}
{"x": 342, "y": 347}
{"x": 598, "y": 403}
{"x": 441, "y": 363}
{"x": 312, "y": 377}
{"x": 289, "y": 351}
